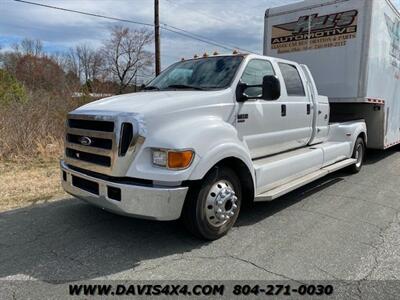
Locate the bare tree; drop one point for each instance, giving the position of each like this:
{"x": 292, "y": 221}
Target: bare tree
{"x": 96, "y": 65}
{"x": 89, "y": 62}
{"x": 84, "y": 55}
{"x": 60, "y": 58}
{"x": 9, "y": 61}
{"x": 29, "y": 47}
{"x": 72, "y": 63}
{"x": 125, "y": 55}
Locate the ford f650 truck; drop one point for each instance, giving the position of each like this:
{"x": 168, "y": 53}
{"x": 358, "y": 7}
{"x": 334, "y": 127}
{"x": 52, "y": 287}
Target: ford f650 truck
{"x": 206, "y": 136}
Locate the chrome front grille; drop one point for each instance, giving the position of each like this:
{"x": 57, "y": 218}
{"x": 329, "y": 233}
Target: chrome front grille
{"x": 103, "y": 142}
{"x": 107, "y": 126}
{"x": 97, "y": 142}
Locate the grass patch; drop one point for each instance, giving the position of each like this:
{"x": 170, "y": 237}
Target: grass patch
{"x": 25, "y": 184}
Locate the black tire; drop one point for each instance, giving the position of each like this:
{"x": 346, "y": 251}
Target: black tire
{"x": 197, "y": 214}
{"x": 359, "y": 154}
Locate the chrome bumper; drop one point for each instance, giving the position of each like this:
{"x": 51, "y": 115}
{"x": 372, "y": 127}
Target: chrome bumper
{"x": 135, "y": 201}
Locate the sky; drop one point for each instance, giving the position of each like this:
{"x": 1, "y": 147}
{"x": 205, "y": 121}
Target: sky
{"x": 233, "y": 22}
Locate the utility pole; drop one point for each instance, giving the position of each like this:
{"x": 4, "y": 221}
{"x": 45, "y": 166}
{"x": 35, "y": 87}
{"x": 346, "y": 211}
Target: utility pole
{"x": 157, "y": 36}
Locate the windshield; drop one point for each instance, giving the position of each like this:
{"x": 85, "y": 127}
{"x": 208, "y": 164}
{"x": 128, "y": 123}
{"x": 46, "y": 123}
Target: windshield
{"x": 201, "y": 74}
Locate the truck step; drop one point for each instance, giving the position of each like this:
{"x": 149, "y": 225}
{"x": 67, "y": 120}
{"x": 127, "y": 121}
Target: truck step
{"x": 292, "y": 185}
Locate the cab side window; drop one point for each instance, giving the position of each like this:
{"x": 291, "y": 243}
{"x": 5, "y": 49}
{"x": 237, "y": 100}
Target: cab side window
{"x": 254, "y": 73}
{"x": 293, "y": 82}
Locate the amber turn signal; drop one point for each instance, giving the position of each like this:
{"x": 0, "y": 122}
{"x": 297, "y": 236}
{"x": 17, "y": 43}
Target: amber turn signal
{"x": 179, "y": 159}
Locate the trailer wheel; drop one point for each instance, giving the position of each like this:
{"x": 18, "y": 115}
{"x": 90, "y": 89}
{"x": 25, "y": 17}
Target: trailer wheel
{"x": 212, "y": 208}
{"x": 358, "y": 154}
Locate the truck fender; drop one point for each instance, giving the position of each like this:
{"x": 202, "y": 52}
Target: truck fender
{"x": 359, "y": 129}
{"x": 227, "y": 149}
{"x": 348, "y": 132}
{"x": 211, "y": 138}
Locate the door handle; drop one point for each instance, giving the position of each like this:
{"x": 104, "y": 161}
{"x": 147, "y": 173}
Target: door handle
{"x": 283, "y": 110}
{"x": 308, "y": 109}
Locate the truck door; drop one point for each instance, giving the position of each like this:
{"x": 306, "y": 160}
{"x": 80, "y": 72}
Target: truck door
{"x": 269, "y": 127}
{"x": 320, "y": 104}
{"x": 299, "y": 127}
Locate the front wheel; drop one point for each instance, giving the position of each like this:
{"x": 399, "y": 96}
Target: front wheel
{"x": 358, "y": 155}
{"x": 211, "y": 209}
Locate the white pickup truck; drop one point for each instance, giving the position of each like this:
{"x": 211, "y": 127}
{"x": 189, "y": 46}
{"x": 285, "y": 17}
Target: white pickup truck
{"x": 206, "y": 136}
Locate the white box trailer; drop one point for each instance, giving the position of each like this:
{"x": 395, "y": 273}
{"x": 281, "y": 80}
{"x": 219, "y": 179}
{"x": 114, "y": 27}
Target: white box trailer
{"x": 352, "y": 48}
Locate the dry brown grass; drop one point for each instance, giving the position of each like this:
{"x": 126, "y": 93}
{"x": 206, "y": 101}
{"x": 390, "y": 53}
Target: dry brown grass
{"x": 35, "y": 129}
{"x": 31, "y": 142}
{"x": 25, "y": 184}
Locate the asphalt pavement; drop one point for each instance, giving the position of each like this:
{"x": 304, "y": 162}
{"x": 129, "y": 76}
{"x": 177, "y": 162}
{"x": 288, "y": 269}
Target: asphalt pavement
{"x": 340, "y": 227}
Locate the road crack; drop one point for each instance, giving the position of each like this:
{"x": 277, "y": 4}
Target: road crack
{"x": 337, "y": 218}
{"x": 377, "y": 256}
{"x": 368, "y": 201}
{"x": 230, "y": 256}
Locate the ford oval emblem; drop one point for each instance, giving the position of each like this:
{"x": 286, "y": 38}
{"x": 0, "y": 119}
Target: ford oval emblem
{"x": 85, "y": 141}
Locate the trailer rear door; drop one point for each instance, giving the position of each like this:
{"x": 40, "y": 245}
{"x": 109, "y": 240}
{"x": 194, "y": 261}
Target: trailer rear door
{"x": 383, "y": 79}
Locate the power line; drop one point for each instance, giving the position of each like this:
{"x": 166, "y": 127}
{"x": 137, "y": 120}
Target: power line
{"x": 195, "y": 36}
{"x": 200, "y": 36}
{"x": 164, "y": 26}
{"x": 199, "y": 12}
{"x": 85, "y": 13}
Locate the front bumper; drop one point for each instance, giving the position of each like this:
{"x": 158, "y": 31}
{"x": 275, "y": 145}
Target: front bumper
{"x": 134, "y": 200}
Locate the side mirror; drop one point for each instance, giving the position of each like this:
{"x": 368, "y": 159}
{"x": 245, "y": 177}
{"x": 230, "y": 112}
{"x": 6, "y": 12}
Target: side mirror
{"x": 271, "y": 88}
{"x": 240, "y": 89}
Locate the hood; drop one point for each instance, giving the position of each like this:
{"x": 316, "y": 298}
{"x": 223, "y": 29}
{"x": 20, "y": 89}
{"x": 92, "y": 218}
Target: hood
{"x": 159, "y": 102}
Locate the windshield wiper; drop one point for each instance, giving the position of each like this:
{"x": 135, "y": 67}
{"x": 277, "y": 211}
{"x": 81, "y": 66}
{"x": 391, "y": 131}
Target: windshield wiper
{"x": 147, "y": 88}
{"x": 184, "y": 86}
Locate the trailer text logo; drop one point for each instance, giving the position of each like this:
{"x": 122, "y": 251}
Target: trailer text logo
{"x": 315, "y": 32}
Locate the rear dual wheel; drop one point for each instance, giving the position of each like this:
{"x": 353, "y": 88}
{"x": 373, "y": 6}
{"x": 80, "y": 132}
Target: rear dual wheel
{"x": 212, "y": 207}
{"x": 358, "y": 155}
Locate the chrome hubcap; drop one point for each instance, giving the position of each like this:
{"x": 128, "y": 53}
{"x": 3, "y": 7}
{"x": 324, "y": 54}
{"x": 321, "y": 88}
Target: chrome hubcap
{"x": 221, "y": 203}
{"x": 359, "y": 155}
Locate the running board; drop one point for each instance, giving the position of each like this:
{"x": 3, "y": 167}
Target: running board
{"x": 292, "y": 185}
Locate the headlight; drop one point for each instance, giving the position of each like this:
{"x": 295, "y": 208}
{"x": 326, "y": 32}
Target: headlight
{"x": 160, "y": 158}
{"x": 173, "y": 159}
